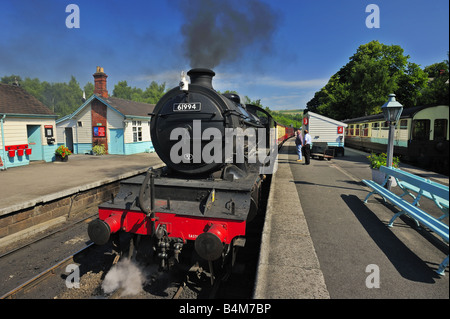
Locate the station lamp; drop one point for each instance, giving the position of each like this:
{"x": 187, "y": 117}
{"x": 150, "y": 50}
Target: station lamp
{"x": 392, "y": 110}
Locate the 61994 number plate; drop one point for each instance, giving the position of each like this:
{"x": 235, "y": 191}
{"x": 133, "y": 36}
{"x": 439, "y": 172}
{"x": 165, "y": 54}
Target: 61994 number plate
{"x": 194, "y": 106}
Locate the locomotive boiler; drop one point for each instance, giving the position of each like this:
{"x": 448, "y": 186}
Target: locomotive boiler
{"x": 209, "y": 189}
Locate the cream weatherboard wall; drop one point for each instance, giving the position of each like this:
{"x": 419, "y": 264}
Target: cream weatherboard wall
{"x": 15, "y": 132}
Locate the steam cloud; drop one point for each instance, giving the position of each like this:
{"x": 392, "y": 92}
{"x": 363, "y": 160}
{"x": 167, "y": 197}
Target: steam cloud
{"x": 125, "y": 275}
{"x": 216, "y": 30}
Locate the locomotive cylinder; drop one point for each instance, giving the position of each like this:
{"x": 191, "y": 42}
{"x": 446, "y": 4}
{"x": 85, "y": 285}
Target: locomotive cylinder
{"x": 99, "y": 230}
{"x": 209, "y": 245}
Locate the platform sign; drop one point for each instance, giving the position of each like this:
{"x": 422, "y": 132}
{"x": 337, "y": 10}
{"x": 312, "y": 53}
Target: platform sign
{"x": 99, "y": 131}
{"x": 340, "y": 130}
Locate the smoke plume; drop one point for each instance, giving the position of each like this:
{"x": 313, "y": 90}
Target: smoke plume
{"x": 218, "y": 31}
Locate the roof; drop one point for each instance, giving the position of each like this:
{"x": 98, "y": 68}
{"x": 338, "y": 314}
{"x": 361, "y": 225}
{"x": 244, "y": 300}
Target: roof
{"x": 15, "y": 100}
{"x": 406, "y": 113}
{"x": 324, "y": 118}
{"x": 126, "y": 108}
{"x": 130, "y": 108}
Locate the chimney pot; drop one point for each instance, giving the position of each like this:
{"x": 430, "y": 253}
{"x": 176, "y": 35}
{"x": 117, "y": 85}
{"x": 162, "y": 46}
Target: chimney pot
{"x": 100, "y": 83}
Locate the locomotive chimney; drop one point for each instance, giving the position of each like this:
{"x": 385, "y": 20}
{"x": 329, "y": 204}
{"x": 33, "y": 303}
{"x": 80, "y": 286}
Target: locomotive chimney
{"x": 201, "y": 77}
{"x": 100, "y": 83}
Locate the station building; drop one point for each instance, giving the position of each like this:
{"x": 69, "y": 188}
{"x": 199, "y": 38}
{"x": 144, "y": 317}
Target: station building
{"x": 122, "y": 126}
{"x": 26, "y": 128}
{"x": 325, "y": 131}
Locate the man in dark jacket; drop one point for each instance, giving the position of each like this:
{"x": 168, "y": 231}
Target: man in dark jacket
{"x": 299, "y": 144}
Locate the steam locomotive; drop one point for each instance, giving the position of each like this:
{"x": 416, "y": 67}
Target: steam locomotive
{"x": 217, "y": 152}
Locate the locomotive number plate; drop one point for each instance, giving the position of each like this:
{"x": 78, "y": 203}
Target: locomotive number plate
{"x": 194, "y": 106}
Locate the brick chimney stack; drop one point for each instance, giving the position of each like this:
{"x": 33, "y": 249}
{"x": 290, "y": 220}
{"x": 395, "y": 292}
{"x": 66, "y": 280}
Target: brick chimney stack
{"x": 100, "y": 83}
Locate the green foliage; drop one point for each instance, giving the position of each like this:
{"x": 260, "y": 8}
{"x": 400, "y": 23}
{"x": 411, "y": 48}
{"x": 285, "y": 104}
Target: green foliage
{"x": 286, "y": 119}
{"x": 61, "y": 98}
{"x": 437, "y": 91}
{"x": 65, "y": 98}
{"x": 99, "y": 149}
{"x": 377, "y": 160}
{"x": 152, "y": 94}
{"x": 362, "y": 86}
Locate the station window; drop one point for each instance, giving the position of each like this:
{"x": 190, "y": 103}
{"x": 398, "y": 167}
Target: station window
{"x": 137, "y": 131}
{"x": 440, "y": 129}
{"x": 421, "y": 130}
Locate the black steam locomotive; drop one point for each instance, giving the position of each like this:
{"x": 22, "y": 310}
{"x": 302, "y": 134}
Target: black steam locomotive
{"x": 210, "y": 187}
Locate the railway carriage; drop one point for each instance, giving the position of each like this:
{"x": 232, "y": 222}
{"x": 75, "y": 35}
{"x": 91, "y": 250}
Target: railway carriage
{"x": 421, "y": 136}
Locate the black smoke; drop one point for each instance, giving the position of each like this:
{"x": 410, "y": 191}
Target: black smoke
{"x": 216, "y": 31}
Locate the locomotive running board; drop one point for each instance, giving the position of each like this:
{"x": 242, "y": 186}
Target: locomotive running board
{"x": 191, "y": 197}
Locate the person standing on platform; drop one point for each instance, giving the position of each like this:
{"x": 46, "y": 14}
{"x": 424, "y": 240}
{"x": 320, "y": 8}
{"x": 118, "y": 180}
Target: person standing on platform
{"x": 299, "y": 144}
{"x": 307, "y": 147}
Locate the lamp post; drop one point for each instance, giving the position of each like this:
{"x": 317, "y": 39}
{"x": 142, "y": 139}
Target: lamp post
{"x": 391, "y": 111}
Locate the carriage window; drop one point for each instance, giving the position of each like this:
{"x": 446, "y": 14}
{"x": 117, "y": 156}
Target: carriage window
{"x": 403, "y": 124}
{"x": 440, "y": 129}
{"x": 421, "y": 130}
{"x": 375, "y": 126}
{"x": 384, "y": 126}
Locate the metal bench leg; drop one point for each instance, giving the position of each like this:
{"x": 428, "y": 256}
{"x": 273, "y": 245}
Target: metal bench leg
{"x": 442, "y": 266}
{"x": 391, "y": 222}
{"x": 367, "y": 197}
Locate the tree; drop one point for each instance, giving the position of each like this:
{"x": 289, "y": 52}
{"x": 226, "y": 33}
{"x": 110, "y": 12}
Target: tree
{"x": 361, "y": 86}
{"x": 437, "y": 91}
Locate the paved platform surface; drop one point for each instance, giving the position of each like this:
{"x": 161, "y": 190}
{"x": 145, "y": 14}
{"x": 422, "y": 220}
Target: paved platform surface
{"x": 25, "y": 186}
{"x": 288, "y": 266}
{"x": 321, "y": 241}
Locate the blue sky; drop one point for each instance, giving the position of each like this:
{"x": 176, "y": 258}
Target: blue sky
{"x": 296, "y": 47}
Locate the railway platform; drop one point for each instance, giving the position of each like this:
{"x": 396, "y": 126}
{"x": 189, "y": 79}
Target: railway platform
{"x": 288, "y": 265}
{"x": 42, "y": 195}
{"x": 320, "y": 240}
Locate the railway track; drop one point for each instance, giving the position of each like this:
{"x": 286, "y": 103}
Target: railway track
{"x": 59, "y": 268}
{"x": 94, "y": 263}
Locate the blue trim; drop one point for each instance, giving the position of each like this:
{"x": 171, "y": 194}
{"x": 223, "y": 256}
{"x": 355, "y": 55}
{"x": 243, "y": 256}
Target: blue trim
{"x": 89, "y": 100}
{"x": 82, "y": 148}
{"x": 49, "y": 152}
{"x": 16, "y": 160}
{"x": 138, "y": 147}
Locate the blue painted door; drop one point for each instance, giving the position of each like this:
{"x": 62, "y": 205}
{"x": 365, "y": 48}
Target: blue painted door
{"x": 35, "y": 142}
{"x": 116, "y": 141}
